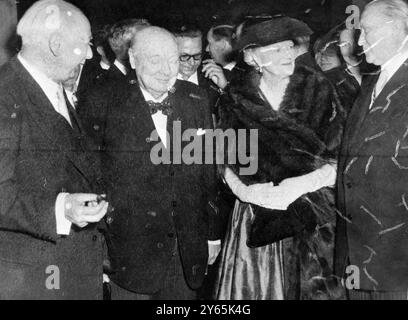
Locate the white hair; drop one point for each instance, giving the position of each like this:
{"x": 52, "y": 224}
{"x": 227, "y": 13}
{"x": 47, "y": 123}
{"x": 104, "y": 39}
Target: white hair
{"x": 394, "y": 9}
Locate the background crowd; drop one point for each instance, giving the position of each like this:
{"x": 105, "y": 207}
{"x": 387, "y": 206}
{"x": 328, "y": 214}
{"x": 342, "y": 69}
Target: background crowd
{"x": 80, "y": 99}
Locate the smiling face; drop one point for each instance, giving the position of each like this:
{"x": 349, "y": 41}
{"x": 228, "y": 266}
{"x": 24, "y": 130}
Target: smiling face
{"x": 189, "y": 46}
{"x": 381, "y": 36}
{"x": 277, "y": 59}
{"x": 156, "y": 60}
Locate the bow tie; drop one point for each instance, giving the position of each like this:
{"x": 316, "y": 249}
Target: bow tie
{"x": 163, "y": 106}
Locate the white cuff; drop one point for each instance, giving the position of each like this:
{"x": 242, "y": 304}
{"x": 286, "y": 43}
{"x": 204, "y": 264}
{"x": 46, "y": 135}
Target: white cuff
{"x": 63, "y": 224}
{"x": 214, "y": 242}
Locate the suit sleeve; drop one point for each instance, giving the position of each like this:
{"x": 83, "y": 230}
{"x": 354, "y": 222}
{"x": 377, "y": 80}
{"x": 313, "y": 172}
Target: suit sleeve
{"x": 22, "y": 209}
{"x": 214, "y": 218}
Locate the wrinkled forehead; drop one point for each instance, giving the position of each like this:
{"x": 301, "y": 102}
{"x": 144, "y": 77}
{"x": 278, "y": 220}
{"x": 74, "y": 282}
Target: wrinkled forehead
{"x": 374, "y": 16}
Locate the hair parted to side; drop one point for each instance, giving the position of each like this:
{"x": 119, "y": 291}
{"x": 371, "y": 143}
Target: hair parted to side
{"x": 188, "y": 30}
{"x": 45, "y": 17}
{"x": 394, "y": 9}
{"x": 122, "y": 32}
{"x": 226, "y": 32}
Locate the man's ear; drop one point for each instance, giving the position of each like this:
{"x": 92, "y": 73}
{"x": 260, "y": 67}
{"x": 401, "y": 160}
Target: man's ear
{"x": 226, "y": 45}
{"x": 55, "y": 44}
{"x": 132, "y": 59}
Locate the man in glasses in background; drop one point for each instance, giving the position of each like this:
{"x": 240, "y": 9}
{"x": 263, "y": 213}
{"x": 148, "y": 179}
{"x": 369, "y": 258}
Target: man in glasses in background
{"x": 190, "y": 44}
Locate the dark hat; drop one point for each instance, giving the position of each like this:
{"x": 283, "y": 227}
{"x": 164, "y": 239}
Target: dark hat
{"x": 277, "y": 29}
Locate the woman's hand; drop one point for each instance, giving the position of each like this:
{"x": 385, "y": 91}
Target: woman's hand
{"x": 291, "y": 189}
{"x": 255, "y": 194}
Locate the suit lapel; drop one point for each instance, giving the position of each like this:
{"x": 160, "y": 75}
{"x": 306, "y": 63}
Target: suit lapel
{"x": 53, "y": 125}
{"x": 137, "y": 110}
{"x": 376, "y": 119}
{"x": 360, "y": 111}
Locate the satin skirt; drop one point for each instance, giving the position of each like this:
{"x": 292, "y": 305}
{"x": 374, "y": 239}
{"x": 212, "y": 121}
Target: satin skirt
{"x": 248, "y": 273}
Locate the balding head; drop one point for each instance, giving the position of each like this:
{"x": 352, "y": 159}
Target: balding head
{"x": 154, "y": 56}
{"x": 55, "y": 36}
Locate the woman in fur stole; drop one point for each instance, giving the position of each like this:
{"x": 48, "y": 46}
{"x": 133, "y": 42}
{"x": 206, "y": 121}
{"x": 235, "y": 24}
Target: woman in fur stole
{"x": 279, "y": 243}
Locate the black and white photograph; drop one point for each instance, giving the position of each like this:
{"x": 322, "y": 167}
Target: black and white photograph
{"x": 219, "y": 152}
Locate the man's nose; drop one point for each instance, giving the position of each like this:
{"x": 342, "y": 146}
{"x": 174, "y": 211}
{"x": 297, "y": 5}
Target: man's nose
{"x": 207, "y": 48}
{"x": 166, "y": 68}
{"x": 361, "y": 39}
{"x": 89, "y": 53}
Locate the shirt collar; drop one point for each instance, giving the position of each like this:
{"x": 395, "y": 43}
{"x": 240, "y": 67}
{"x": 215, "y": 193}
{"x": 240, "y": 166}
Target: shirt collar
{"x": 121, "y": 67}
{"x": 104, "y": 65}
{"x": 193, "y": 78}
{"x": 230, "y": 66}
{"x": 392, "y": 65}
{"x": 148, "y": 96}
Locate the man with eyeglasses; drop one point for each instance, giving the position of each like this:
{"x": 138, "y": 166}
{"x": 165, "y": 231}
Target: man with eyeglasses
{"x": 189, "y": 42}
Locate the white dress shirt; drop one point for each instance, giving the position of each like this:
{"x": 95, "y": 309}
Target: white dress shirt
{"x": 121, "y": 67}
{"x": 159, "y": 119}
{"x": 104, "y": 65}
{"x": 160, "y": 123}
{"x": 230, "y": 66}
{"x": 388, "y": 70}
{"x": 53, "y": 91}
{"x": 193, "y": 78}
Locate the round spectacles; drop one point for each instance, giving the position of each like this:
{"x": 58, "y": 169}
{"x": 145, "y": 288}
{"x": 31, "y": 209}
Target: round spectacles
{"x": 187, "y": 57}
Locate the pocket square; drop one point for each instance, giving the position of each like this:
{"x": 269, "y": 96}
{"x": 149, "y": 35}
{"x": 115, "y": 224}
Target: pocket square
{"x": 200, "y": 132}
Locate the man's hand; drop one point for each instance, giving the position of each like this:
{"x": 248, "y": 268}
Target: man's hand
{"x": 82, "y": 209}
{"x": 213, "y": 252}
{"x": 215, "y": 72}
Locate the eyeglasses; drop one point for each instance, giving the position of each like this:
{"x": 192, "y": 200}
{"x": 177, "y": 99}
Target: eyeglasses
{"x": 187, "y": 57}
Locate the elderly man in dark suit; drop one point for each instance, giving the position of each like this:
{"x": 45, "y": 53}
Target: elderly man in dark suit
{"x": 372, "y": 232}
{"x": 158, "y": 237}
{"x": 50, "y": 247}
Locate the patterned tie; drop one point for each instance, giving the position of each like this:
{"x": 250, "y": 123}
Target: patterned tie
{"x": 163, "y": 106}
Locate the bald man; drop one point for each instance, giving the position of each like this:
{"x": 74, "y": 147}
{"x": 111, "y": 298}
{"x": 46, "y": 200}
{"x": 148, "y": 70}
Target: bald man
{"x": 50, "y": 247}
{"x": 159, "y": 235}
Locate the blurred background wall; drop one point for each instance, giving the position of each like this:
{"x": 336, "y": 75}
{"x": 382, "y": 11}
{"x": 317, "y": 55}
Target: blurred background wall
{"x": 8, "y": 21}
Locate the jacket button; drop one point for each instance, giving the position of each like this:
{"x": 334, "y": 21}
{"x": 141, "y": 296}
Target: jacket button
{"x": 170, "y": 235}
{"x": 148, "y": 226}
{"x": 94, "y": 238}
{"x": 349, "y": 185}
{"x": 151, "y": 213}
{"x": 96, "y": 127}
{"x": 148, "y": 140}
{"x": 160, "y": 245}
{"x": 174, "y": 204}
{"x": 109, "y": 220}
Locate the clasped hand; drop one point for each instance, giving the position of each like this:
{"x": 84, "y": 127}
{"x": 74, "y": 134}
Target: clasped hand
{"x": 83, "y": 208}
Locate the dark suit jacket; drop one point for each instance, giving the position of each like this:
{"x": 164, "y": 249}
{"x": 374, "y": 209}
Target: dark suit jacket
{"x": 114, "y": 74}
{"x": 41, "y": 156}
{"x": 154, "y": 204}
{"x": 92, "y": 74}
{"x": 372, "y": 186}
